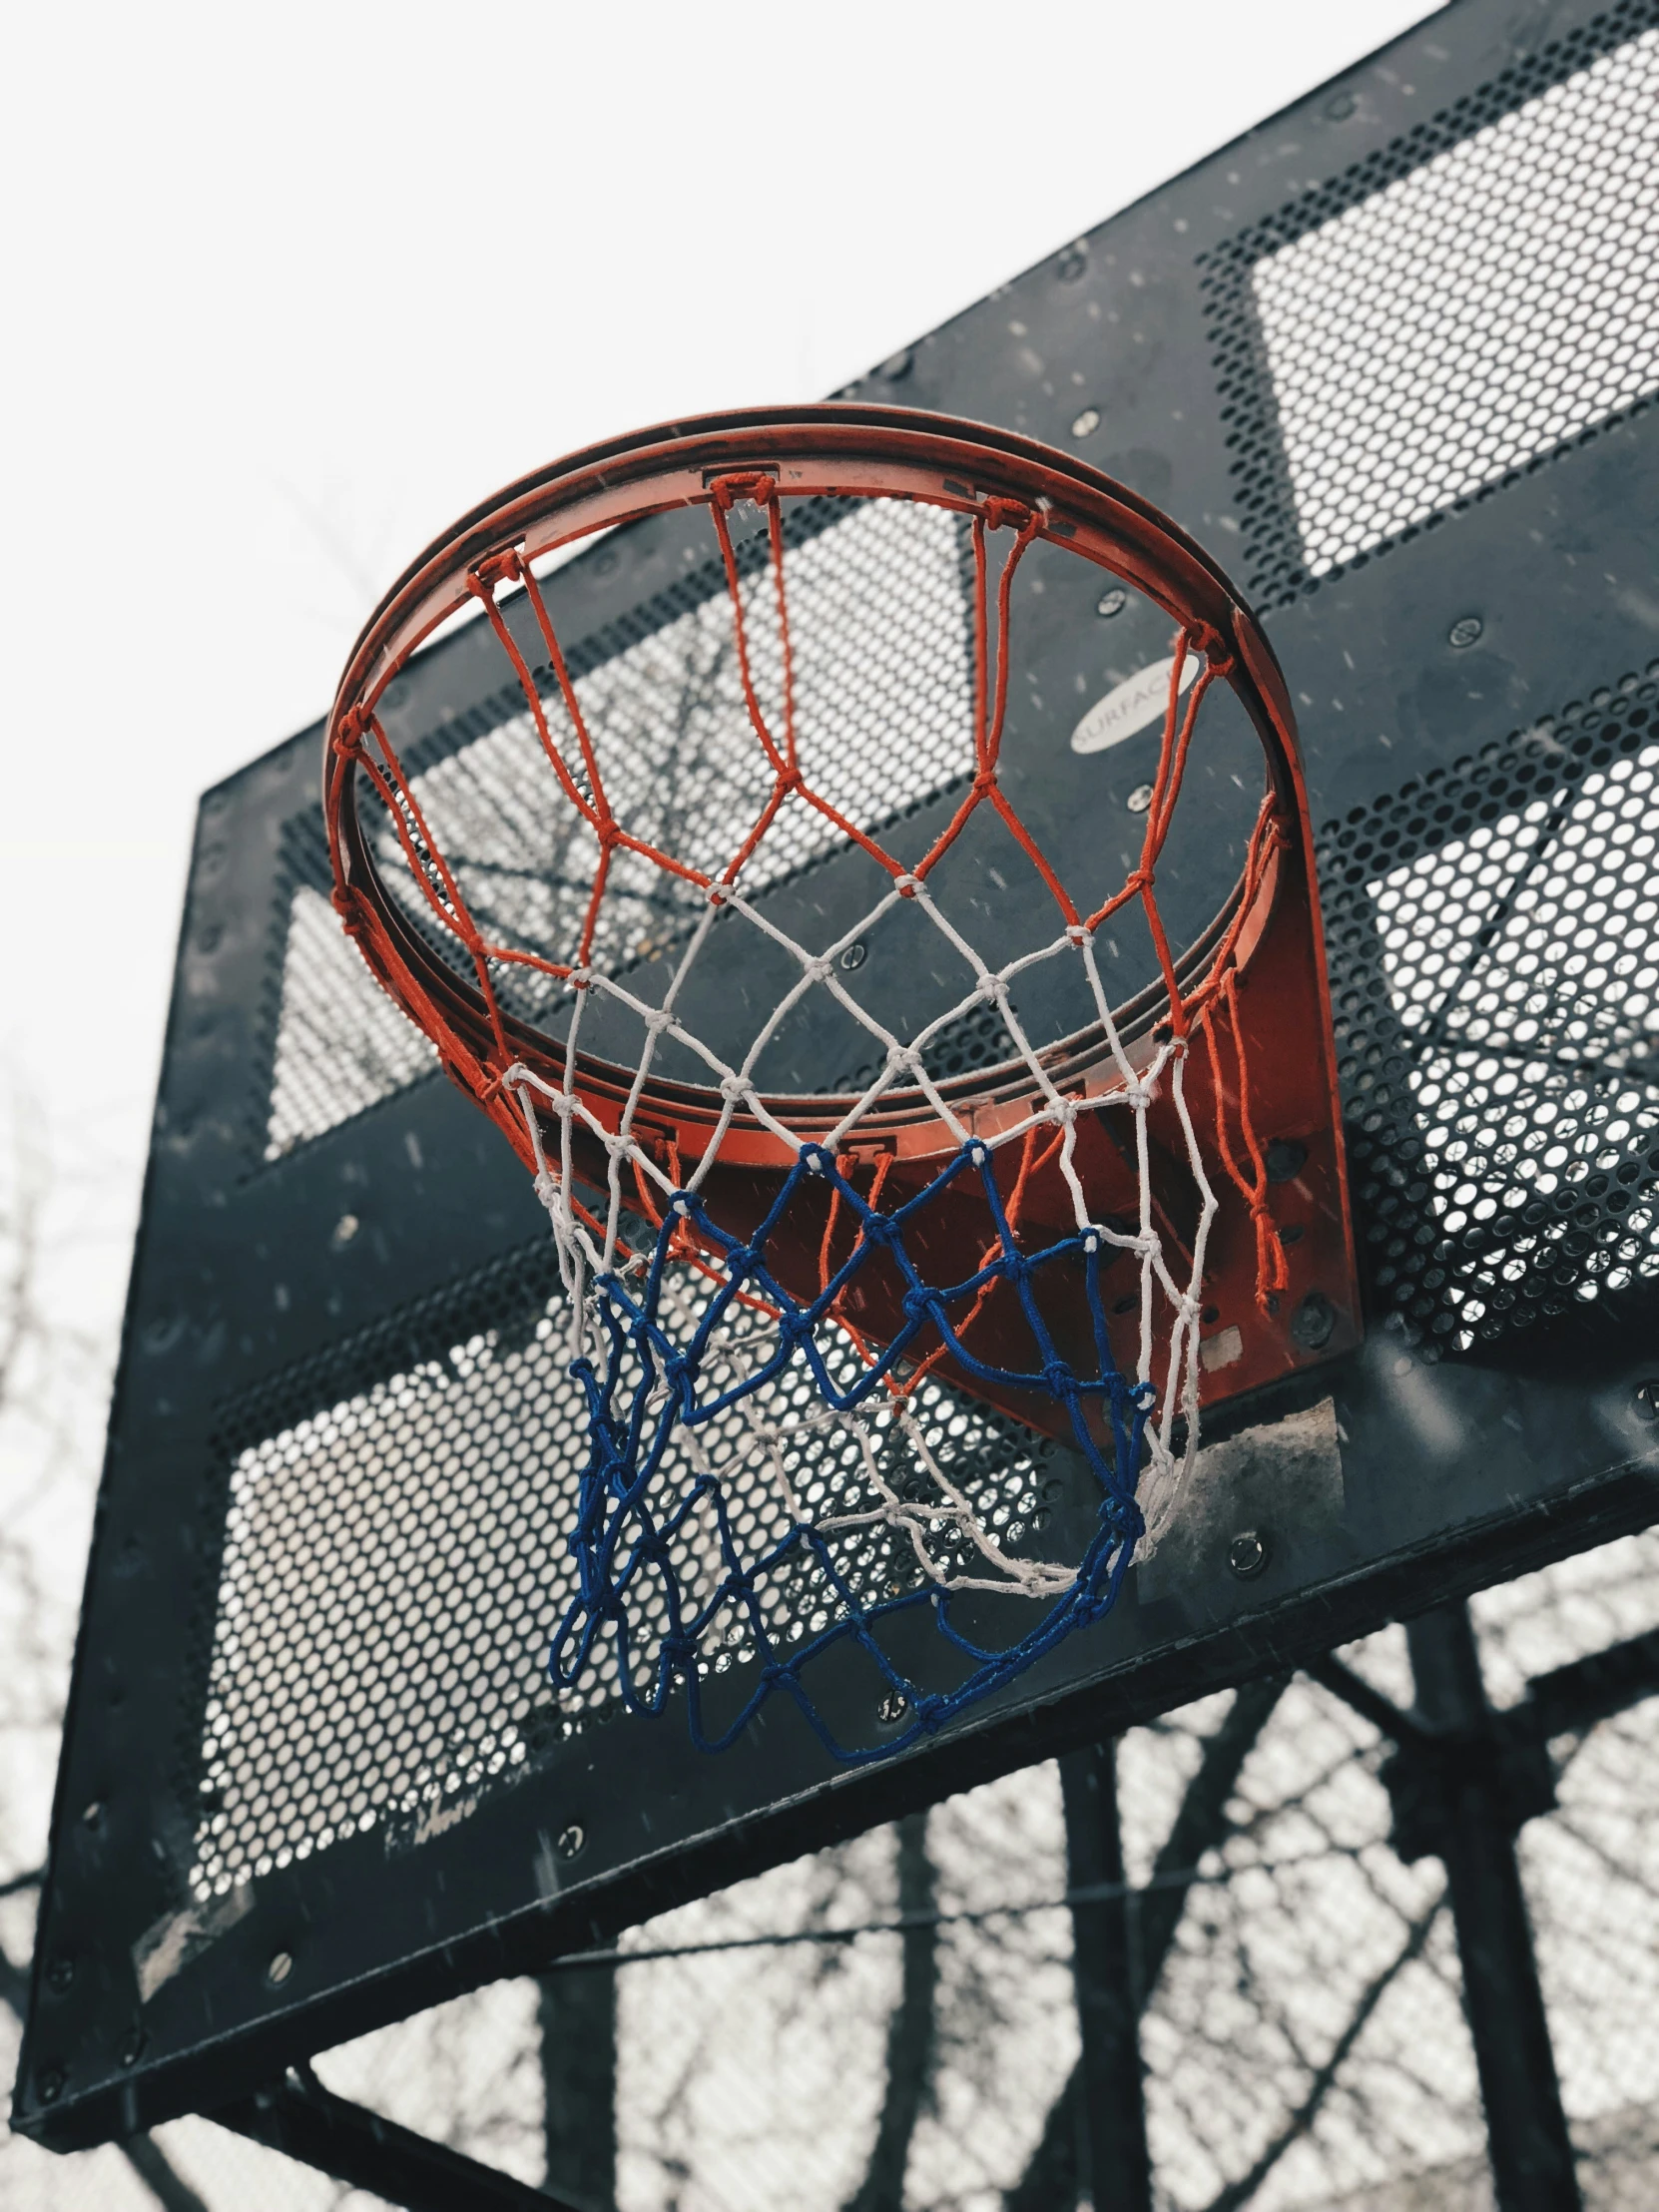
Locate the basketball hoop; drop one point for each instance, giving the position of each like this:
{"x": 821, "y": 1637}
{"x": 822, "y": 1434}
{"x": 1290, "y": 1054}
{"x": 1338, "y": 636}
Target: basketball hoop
{"x": 863, "y": 1082}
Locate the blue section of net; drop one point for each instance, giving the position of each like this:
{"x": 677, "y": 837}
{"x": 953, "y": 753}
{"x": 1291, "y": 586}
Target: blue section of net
{"x": 661, "y": 1380}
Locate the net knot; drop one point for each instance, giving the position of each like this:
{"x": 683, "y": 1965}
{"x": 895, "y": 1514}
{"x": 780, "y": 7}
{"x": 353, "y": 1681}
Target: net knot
{"x": 353, "y": 918}
{"x": 907, "y": 886}
{"x": 999, "y": 512}
{"x": 754, "y": 485}
{"x": 1060, "y": 1381}
{"x": 504, "y": 567}
{"x": 349, "y": 738}
{"x": 978, "y": 1152}
{"x": 1138, "y": 1096}
{"x": 1218, "y": 654}
{"x": 733, "y": 1088}
{"x": 549, "y": 1189}
{"x": 816, "y": 1160}
{"x": 1078, "y": 933}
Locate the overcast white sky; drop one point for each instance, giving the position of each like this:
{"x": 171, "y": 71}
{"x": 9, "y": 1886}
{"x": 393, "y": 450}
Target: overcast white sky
{"x": 291, "y": 287}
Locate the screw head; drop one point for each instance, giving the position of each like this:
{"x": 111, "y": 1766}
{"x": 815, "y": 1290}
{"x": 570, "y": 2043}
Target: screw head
{"x": 1087, "y": 423}
{"x": 1112, "y": 602}
{"x": 1071, "y": 265}
{"x": 892, "y": 1709}
{"x": 1248, "y": 1553}
{"x": 1340, "y": 105}
{"x": 51, "y": 2085}
{"x": 1314, "y": 1320}
{"x": 347, "y": 1228}
{"x": 571, "y": 1842}
{"x": 855, "y": 956}
{"x": 93, "y": 1817}
{"x": 1140, "y": 799}
{"x": 1286, "y": 1159}
{"x": 131, "y": 2051}
{"x": 278, "y": 1969}
{"x": 1646, "y": 1398}
{"x": 1464, "y": 631}
{"x": 897, "y": 366}
{"x": 60, "y": 1974}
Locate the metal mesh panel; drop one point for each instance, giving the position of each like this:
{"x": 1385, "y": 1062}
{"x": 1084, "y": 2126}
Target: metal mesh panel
{"x": 398, "y": 1557}
{"x": 1473, "y": 314}
{"x": 341, "y": 1045}
{"x": 1435, "y": 320}
{"x": 1493, "y": 938}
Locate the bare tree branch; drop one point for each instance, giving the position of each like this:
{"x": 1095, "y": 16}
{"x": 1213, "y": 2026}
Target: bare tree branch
{"x": 1240, "y": 2192}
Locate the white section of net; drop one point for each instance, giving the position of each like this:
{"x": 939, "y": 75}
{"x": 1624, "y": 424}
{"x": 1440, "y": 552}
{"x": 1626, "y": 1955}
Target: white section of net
{"x": 590, "y": 1255}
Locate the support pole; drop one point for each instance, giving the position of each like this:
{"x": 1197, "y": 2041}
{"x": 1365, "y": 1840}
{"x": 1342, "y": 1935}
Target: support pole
{"x": 1526, "y": 2130}
{"x": 576, "y": 2017}
{"x": 1106, "y": 1970}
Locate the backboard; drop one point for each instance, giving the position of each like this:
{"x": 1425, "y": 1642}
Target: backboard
{"x": 1385, "y": 356}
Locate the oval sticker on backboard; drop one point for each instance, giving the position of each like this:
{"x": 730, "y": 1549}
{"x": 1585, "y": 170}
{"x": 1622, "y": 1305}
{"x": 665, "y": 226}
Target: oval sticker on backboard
{"x": 1131, "y": 707}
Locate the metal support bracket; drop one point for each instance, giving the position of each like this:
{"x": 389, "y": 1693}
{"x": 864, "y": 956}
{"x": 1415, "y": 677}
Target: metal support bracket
{"x": 301, "y": 2118}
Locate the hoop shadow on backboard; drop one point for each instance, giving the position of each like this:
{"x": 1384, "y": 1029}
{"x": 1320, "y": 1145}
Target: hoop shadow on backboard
{"x": 313, "y": 1779}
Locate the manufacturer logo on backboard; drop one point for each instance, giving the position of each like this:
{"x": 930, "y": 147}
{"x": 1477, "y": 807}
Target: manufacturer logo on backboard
{"x": 1131, "y": 707}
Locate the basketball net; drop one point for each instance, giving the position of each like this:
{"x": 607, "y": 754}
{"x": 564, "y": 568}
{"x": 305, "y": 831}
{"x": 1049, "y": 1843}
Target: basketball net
{"x": 810, "y": 1412}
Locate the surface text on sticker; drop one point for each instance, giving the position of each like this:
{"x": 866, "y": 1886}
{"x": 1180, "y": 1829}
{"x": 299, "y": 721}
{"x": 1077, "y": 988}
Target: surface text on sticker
{"x": 1131, "y": 705}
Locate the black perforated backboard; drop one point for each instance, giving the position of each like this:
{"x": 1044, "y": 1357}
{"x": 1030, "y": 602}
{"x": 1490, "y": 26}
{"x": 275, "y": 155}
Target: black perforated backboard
{"x": 1391, "y": 358}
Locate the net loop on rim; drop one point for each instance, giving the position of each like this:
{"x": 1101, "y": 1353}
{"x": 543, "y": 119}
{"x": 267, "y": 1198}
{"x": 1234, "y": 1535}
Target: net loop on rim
{"x": 820, "y": 1335}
